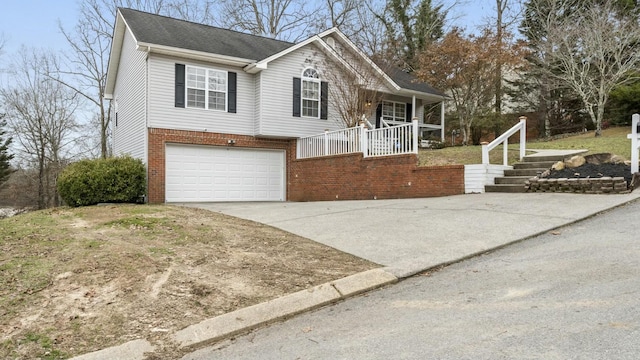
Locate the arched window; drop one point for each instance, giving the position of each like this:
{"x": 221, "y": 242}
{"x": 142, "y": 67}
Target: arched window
{"x": 310, "y": 93}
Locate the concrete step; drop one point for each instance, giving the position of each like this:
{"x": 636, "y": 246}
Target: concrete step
{"x": 523, "y": 172}
{"x": 534, "y": 165}
{"x": 552, "y": 158}
{"x": 506, "y": 188}
{"x": 512, "y": 179}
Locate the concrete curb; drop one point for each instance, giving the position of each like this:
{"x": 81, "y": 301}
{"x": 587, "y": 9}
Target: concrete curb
{"x": 246, "y": 319}
{"x": 243, "y": 320}
{"x": 132, "y": 350}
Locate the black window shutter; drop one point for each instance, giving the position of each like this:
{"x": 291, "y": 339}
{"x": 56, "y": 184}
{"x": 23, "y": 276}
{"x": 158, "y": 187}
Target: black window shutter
{"x": 324, "y": 100}
{"x": 408, "y": 113}
{"x": 296, "y": 97}
{"x": 232, "y": 91}
{"x": 180, "y": 90}
{"x": 378, "y": 115}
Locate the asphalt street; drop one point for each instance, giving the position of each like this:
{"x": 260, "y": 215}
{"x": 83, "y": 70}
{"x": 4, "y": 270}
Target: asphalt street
{"x": 573, "y": 293}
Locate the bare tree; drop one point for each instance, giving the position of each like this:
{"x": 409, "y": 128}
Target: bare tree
{"x": 41, "y": 116}
{"x": 200, "y": 11}
{"x": 505, "y": 17}
{"x": 367, "y": 34}
{"x": 339, "y": 13}
{"x": 465, "y": 67}
{"x": 591, "y": 50}
{"x": 90, "y": 42}
{"x": 289, "y": 20}
{"x": 354, "y": 85}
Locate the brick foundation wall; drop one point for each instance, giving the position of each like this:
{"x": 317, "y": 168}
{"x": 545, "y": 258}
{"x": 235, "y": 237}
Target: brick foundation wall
{"x": 352, "y": 177}
{"x": 158, "y": 138}
{"x": 343, "y": 177}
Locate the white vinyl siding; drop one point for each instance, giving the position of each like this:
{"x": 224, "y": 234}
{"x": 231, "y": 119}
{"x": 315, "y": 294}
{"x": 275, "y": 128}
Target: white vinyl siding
{"x": 276, "y": 102}
{"x": 130, "y": 134}
{"x": 163, "y": 113}
{"x": 210, "y": 173}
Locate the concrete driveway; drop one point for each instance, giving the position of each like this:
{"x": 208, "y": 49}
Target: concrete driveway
{"x": 410, "y": 235}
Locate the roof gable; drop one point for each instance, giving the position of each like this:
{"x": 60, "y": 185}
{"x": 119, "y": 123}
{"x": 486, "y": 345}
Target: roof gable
{"x": 165, "y": 31}
{"x": 198, "y": 41}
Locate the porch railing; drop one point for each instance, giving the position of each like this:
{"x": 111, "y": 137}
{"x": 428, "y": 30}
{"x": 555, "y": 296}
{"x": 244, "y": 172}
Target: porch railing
{"x": 504, "y": 139}
{"x": 338, "y": 142}
{"x": 394, "y": 140}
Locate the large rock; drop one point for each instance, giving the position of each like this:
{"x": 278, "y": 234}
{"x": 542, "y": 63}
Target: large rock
{"x": 597, "y": 159}
{"x": 558, "y": 166}
{"x": 617, "y": 159}
{"x": 575, "y": 161}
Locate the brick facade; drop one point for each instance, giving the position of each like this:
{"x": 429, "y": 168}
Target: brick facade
{"x": 352, "y": 177}
{"x": 343, "y": 177}
{"x": 158, "y": 138}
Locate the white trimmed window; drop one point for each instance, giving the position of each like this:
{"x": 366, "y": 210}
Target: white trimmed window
{"x": 310, "y": 93}
{"x": 206, "y": 88}
{"x": 394, "y": 111}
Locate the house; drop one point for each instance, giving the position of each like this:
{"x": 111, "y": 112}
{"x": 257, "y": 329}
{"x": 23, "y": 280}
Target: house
{"x": 214, "y": 113}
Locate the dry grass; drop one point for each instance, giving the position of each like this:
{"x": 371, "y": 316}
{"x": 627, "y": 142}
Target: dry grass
{"x": 75, "y": 280}
{"x": 613, "y": 140}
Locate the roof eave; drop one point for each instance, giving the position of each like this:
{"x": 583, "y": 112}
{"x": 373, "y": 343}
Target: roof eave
{"x": 114, "y": 55}
{"x": 195, "y": 55}
{"x": 422, "y": 95}
{"x": 263, "y": 64}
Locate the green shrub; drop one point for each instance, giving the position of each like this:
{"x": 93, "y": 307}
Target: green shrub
{"x": 114, "y": 180}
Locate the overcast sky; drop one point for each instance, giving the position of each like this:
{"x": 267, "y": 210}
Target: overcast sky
{"x": 35, "y": 22}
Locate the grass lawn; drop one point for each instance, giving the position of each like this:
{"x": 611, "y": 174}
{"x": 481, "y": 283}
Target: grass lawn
{"x": 613, "y": 140}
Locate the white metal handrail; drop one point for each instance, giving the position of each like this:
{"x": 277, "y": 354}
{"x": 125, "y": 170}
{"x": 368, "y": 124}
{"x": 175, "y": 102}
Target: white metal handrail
{"x": 635, "y": 143}
{"x": 504, "y": 139}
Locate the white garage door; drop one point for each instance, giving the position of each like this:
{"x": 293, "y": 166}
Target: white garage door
{"x": 208, "y": 173}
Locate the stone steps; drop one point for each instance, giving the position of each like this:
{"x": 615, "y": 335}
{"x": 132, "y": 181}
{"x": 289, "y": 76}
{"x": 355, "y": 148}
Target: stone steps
{"x": 514, "y": 180}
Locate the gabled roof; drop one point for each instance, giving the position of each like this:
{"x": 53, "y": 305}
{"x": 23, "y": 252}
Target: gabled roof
{"x": 165, "y": 35}
{"x": 161, "y": 30}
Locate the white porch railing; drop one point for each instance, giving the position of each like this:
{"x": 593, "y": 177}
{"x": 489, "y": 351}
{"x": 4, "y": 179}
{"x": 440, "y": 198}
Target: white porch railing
{"x": 338, "y": 142}
{"x": 394, "y": 140}
{"x": 504, "y": 139}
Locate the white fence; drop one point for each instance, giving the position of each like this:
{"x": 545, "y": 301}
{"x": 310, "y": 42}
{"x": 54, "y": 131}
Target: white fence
{"x": 338, "y": 142}
{"x": 394, "y": 140}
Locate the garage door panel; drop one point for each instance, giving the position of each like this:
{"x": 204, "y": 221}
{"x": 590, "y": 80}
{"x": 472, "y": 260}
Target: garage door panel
{"x": 207, "y": 173}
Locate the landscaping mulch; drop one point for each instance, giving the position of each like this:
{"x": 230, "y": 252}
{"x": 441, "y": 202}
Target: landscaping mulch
{"x": 593, "y": 171}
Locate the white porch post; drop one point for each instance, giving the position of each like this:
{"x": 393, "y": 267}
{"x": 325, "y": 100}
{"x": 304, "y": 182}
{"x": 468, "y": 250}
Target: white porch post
{"x": 363, "y": 141}
{"x": 442, "y": 120}
{"x": 415, "y": 135}
{"x": 326, "y": 142}
{"x": 413, "y": 107}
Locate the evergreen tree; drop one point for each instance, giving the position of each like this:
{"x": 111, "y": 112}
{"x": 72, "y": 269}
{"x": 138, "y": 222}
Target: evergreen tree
{"x": 5, "y": 157}
{"x": 411, "y": 26}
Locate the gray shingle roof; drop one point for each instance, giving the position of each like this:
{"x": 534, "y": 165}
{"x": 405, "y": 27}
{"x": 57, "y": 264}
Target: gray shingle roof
{"x": 166, "y": 31}
{"x": 162, "y": 30}
{"x": 408, "y": 81}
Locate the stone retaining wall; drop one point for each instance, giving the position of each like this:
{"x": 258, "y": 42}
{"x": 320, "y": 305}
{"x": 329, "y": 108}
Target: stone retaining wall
{"x": 604, "y": 185}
